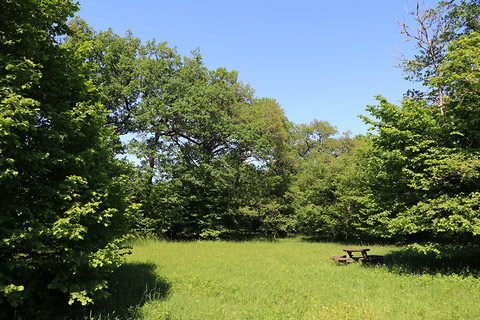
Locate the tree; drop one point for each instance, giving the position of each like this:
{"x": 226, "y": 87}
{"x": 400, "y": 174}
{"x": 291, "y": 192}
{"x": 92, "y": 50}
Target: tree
{"x": 213, "y": 159}
{"x": 315, "y": 137}
{"x": 432, "y": 31}
{"x": 113, "y": 69}
{"x": 425, "y": 186}
{"x": 198, "y": 139}
{"x": 460, "y": 80}
{"x": 62, "y": 205}
{"x": 326, "y": 181}
{"x": 423, "y": 167}
{"x": 266, "y": 171}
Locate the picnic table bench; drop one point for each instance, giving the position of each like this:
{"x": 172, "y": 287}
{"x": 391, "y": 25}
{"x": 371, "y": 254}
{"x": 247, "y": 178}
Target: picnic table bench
{"x": 349, "y": 257}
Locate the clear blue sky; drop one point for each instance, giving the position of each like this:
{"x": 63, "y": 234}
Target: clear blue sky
{"x": 322, "y": 60}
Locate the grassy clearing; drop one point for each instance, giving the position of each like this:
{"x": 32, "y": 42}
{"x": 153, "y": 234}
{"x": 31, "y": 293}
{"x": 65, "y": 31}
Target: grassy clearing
{"x": 289, "y": 279}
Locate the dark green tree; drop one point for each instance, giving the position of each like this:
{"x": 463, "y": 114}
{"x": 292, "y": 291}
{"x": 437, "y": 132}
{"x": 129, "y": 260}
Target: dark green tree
{"x": 200, "y": 136}
{"x": 460, "y": 80}
{"x": 62, "y": 206}
{"x": 204, "y": 144}
{"x": 424, "y": 162}
{"x": 113, "y": 63}
{"x": 326, "y": 181}
{"x": 425, "y": 184}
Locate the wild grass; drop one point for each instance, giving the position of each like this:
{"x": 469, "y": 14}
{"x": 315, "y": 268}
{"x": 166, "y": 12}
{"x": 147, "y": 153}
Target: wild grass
{"x": 290, "y": 279}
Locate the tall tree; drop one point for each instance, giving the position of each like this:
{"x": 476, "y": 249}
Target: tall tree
{"x": 431, "y": 31}
{"x": 423, "y": 166}
{"x": 112, "y": 61}
{"x": 325, "y": 175}
{"x": 425, "y": 185}
{"x": 198, "y": 137}
{"x": 203, "y": 143}
{"x": 62, "y": 206}
{"x": 460, "y": 80}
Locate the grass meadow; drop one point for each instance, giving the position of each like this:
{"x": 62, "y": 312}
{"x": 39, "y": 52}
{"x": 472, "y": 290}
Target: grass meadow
{"x": 287, "y": 279}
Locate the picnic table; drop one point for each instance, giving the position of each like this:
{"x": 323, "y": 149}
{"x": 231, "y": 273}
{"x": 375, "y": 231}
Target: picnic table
{"x": 349, "y": 257}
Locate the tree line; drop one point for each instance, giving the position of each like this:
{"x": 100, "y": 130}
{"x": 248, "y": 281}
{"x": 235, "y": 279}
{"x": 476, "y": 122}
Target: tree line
{"x": 213, "y": 160}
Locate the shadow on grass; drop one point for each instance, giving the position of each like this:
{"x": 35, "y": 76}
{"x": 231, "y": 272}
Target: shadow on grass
{"x": 463, "y": 262}
{"x": 130, "y": 286}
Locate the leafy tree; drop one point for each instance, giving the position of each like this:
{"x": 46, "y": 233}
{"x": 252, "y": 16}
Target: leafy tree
{"x": 62, "y": 206}
{"x": 460, "y": 78}
{"x": 204, "y": 144}
{"x": 197, "y": 139}
{"x": 113, "y": 64}
{"x": 426, "y": 156}
{"x": 422, "y": 172}
{"x": 425, "y": 186}
{"x": 326, "y": 181}
{"x": 114, "y": 70}
{"x": 267, "y": 169}
{"x": 432, "y": 31}
{"x": 315, "y": 137}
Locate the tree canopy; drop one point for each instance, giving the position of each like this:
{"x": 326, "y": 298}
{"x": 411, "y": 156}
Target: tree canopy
{"x": 62, "y": 205}
{"x": 425, "y": 155}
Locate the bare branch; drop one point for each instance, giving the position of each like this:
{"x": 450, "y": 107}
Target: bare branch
{"x": 429, "y": 33}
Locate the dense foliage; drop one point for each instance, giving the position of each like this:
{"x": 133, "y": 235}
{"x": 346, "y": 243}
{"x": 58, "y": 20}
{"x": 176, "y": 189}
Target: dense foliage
{"x": 213, "y": 160}
{"x": 62, "y": 208}
{"x": 327, "y": 181}
{"x": 424, "y": 161}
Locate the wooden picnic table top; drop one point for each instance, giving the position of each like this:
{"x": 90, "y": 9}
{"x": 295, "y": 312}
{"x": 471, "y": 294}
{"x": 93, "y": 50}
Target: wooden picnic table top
{"x": 356, "y": 250}
{"x": 348, "y": 258}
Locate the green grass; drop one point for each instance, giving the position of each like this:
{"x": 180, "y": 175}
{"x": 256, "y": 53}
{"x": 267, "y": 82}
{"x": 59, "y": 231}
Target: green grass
{"x": 287, "y": 279}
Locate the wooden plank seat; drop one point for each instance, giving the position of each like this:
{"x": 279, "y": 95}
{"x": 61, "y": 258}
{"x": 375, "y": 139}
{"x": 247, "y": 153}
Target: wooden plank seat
{"x": 349, "y": 258}
{"x": 342, "y": 258}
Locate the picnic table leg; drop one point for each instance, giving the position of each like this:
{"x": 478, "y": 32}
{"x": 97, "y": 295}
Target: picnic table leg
{"x": 350, "y": 257}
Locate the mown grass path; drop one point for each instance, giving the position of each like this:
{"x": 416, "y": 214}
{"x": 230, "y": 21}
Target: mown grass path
{"x": 291, "y": 279}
